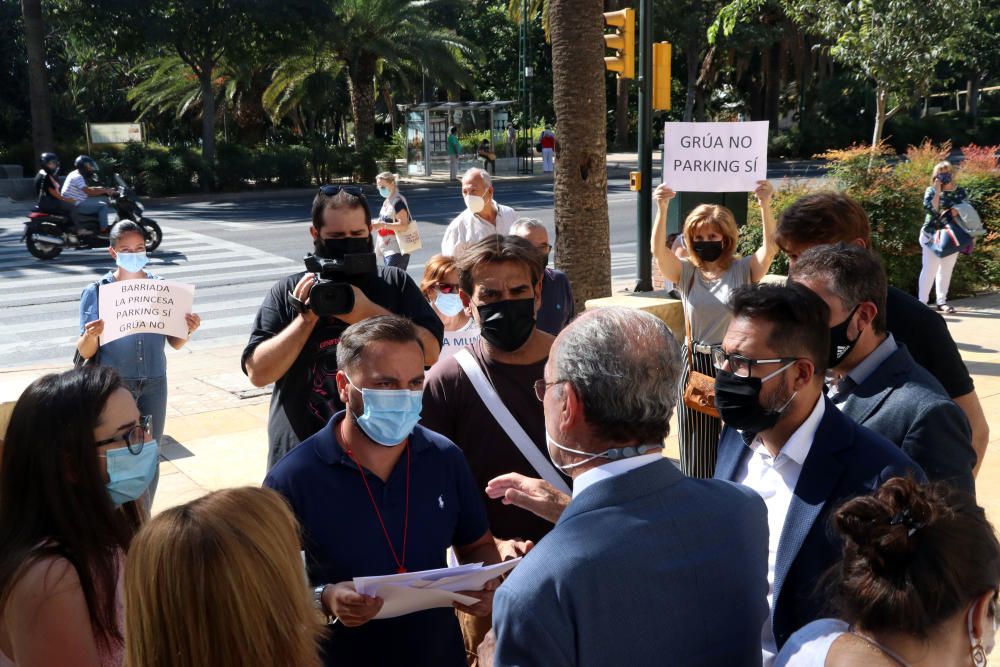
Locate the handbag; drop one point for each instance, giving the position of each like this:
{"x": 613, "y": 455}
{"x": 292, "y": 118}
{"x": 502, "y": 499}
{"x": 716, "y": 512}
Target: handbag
{"x": 699, "y": 392}
{"x": 949, "y": 239}
{"x": 409, "y": 239}
{"x": 969, "y": 219}
{"x": 79, "y": 361}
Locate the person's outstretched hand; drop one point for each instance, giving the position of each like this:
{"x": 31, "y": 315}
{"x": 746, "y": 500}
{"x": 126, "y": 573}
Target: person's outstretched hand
{"x": 535, "y": 495}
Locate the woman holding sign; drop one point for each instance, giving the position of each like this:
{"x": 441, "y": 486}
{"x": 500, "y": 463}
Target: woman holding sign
{"x": 705, "y": 279}
{"x": 138, "y": 358}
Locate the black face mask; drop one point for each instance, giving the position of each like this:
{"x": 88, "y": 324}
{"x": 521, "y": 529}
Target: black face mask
{"x": 507, "y": 325}
{"x": 545, "y": 259}
{"x": 840, "y": 344}
{"x": 738, "y": 402}
{"x": 707, "y": 251}
{"x": 337, "y": 248}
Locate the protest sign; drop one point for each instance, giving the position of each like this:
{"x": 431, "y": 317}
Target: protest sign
{"x": 144, "y": 306}
{"x": 714, "y": 157}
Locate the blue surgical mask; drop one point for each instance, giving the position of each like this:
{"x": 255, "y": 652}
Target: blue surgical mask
{"x": 390, "y": 414}
{"x": 613, "y": 454}
{"x": 130, "y": 474}
{"x": 385, "y": 192}
{"x": 449, "y": 304}
{"x": 133, "y": 262}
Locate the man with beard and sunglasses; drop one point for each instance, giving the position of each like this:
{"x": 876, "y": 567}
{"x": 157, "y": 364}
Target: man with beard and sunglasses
{"x": 787, "y": 441}
{"x": 296, "y": 349}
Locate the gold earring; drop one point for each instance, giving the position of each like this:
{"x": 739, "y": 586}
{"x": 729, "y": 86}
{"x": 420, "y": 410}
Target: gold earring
{"x": 978, "y": 654}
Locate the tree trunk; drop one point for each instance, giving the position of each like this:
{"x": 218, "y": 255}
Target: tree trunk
{"x": 207, "y": 125}
{"x": 621, "y": 116}
{"x": 691, "y": 55}
{"x": 972, "y": 96}
{"x": 581, "y": 179}
{"x": 38, "y": 83}
{"x": 362, "y": 87}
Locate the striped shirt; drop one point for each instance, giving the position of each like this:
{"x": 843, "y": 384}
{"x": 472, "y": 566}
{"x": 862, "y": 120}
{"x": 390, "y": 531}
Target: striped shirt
{"x": 74, "y": 186}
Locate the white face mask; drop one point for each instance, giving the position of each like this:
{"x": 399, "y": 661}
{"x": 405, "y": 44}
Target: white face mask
{"x": 988, "y": 641}
{"x": 613, "y": 454}
{"x": 474, "y": 203}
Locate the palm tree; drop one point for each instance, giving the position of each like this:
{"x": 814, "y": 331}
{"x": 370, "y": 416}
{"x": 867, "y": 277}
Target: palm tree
{"x": 38, "y": 83}
{"x": 581, "y": 178}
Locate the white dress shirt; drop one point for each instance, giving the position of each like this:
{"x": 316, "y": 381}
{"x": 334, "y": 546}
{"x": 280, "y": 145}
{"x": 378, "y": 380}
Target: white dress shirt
{"x": 774, "y": 479}
{"x": 609, "y": 470}
{"x": 467, "y": 228}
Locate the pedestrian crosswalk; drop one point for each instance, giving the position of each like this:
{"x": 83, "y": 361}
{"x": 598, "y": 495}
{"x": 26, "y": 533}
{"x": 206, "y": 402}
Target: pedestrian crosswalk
{"x": 39, "y": 301}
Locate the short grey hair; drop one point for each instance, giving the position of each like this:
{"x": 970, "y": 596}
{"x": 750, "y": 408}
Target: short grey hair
{"x": 483, "y": 174}
{"x": 525, "y": 225}
{"x": 625, "y": 365}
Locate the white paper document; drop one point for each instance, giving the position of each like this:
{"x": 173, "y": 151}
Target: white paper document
{"x": 415, "y": 591}
{"x": 144, "y": 306}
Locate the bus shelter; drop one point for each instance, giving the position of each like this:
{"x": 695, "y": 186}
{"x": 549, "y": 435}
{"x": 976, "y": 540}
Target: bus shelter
{"x": 427, "y": 126}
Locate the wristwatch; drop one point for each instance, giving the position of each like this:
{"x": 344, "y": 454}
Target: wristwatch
{"x": 318, "y": 603}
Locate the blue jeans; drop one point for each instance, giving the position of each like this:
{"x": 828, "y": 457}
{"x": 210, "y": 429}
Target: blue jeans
{"x": 151, "y": 398}
{"x": 92, "y": 206}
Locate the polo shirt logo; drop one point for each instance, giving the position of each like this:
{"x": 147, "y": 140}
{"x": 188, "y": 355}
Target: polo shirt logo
{"x": 441, "y": 501}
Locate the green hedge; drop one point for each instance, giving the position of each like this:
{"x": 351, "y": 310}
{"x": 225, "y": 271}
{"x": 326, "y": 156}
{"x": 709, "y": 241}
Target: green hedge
{"x": 892, "y": 195}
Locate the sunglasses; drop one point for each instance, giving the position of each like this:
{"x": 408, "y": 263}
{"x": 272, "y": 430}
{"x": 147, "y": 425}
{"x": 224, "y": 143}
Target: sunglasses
{"x": 446, "y": 288}
{"x": 134, "y": 438}
{"x": 334, "y": 190}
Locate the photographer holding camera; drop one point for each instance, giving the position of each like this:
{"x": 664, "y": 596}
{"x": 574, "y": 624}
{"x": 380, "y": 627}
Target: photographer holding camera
{"x": 295, "y": 334}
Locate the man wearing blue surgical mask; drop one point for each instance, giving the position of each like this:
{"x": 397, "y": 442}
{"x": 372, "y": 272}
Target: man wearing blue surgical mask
{"x": 377, "y": 494}
{"x": 787, "y": 441}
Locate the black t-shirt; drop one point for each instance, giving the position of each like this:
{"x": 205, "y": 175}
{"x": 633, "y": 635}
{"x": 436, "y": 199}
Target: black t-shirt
{"x": 305, "y": 398}
{"x": 926, "y": 336}
{"x": 44, "y": 183}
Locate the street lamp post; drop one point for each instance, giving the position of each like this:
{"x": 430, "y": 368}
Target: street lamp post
{"x": 644, "y": 207}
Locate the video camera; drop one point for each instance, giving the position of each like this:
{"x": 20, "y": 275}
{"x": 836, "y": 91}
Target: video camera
{"x": 333, "y": 293}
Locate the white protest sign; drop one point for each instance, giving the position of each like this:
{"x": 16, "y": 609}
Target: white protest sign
{"x": 714, "y": 157}
{"x": 144, "y": 306}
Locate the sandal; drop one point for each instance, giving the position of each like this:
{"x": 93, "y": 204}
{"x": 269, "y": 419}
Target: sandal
{"x": 945, "y": 308}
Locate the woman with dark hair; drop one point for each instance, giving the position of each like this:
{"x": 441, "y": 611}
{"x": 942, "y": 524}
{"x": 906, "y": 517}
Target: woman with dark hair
{"x": 139, "y": 358}
{"x": 917, "y": 584}
{"x": 75, "y": 459}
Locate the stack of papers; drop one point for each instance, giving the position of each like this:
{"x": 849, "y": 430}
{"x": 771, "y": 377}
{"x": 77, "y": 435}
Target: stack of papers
{"x": 415, "y": 591}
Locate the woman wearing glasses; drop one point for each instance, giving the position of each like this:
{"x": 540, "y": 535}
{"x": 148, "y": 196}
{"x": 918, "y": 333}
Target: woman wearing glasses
{"x": 440, "y": 287}
{"x": 139, "y": 358}
{"x": 76, "y": 458}
{"x": 705, "y": 279}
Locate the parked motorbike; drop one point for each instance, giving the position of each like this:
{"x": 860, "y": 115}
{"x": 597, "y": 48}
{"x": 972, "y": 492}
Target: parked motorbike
{"x": 47, "y": 234}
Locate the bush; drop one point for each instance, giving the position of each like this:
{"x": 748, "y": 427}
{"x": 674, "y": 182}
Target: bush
{"x": 752, "y": 234}
{"x": 892, "y": 195}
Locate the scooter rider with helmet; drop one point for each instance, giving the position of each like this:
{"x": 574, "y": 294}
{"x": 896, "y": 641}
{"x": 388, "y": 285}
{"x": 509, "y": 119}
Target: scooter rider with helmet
{"x": 47, "y": 195}
{"x": 86, "y": 197}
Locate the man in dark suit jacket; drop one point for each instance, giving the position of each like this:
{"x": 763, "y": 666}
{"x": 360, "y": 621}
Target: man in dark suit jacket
{"x": 789, "y": 443}
{"x": 645, "y": 566}
{"x": 874, "y": 380}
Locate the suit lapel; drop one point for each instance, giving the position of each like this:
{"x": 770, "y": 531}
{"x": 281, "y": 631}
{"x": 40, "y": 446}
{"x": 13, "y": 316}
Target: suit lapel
{"x": 869, "y": 396}
{"x": 731, "y": 451}
{"x": 820, "y": 474}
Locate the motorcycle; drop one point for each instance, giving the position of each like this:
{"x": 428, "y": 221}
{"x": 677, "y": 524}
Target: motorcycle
{"x": 46, "y": 234}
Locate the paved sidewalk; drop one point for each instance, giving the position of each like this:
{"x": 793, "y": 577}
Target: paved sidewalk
{"x": 216, "y": 431}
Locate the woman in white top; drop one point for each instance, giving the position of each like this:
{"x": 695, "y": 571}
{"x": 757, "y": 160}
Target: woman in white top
{"x": 705, "y": 279}
{"x": 440, "y": 287}
{"x": 393, "y": 217}
{"x": 917, "y": 584}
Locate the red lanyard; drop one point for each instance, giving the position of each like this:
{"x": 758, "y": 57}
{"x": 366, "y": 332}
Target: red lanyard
{"x": 400, "y": 563}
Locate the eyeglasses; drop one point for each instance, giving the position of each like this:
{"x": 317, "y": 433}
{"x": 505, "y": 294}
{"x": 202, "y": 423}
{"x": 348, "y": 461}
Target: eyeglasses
{"x": 334, "y": 190}
{"x": 541, "y": 386}
{"x": 739, "y": 365}
{"x": 544, "y": 247}
{"x": 134, "y": 438}
{"x": 446, "y": 288}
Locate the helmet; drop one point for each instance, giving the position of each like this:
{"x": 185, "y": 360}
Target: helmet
{"x": 85, "y": 164}
{"x": 46, "y": 158}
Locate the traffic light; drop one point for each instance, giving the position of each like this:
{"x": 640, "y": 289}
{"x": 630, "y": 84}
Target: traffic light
{"x": 622, "y": 40}
{"x": 661, "y": 76}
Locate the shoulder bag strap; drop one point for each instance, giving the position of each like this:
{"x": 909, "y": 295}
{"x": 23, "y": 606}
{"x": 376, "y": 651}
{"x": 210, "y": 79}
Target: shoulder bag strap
{"x": 687, "y": 321}
{"x": 506, "y": 420}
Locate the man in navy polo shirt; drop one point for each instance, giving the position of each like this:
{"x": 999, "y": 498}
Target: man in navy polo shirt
{"x": 375, "y": 495}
